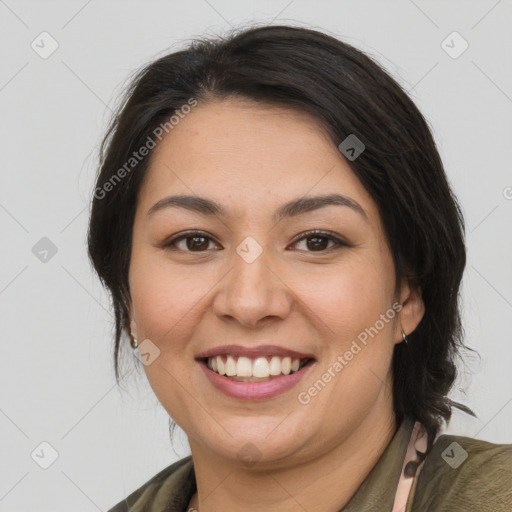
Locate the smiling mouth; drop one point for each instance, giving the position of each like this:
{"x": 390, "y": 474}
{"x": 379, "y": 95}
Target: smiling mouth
{"x": 259, "y": 369}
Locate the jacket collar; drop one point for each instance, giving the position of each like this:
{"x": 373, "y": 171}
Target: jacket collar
{"x": 377, "y": 492}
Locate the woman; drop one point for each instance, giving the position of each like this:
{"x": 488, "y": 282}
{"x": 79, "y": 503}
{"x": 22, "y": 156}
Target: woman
{"x": 275, "y": 226}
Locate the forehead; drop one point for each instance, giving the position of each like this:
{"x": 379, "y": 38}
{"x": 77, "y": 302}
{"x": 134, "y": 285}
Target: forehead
{"x": 239, "y": 149}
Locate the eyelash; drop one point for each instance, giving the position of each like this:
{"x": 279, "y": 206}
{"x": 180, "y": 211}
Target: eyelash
{"x": 171, "y": 244}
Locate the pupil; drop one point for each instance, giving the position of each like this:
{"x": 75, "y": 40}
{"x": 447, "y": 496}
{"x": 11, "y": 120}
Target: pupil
{"x": 199, "y": 246}
{"x": 317, "y": 245}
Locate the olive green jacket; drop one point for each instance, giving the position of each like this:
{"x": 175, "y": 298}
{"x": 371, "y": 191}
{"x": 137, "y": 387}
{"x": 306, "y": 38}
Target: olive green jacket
{"x": 448, "y": 482}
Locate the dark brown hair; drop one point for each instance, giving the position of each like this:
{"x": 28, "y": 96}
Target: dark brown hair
{"x": 348, "y": 93}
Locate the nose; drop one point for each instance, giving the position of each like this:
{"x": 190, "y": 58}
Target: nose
{"x": 252, "y": 293}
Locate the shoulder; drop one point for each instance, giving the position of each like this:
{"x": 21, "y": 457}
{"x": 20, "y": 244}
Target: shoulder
{"x": 174, "y": 485}
{"x": 462, "y": 473}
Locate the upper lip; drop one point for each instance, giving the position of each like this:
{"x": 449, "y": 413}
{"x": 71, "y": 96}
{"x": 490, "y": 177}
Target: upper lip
{"x": 252, "y": 352}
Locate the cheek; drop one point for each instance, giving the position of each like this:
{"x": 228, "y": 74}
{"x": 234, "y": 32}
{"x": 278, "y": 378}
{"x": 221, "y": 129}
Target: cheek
{"x": 165, "y": 305}
{"x": 348, "y": 297}
{"x": 164, "y": 300}
{"x": 358, "y": 343}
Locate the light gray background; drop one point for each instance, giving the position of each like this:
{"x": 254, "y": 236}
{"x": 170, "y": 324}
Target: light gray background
{"x": 57, "y": 382}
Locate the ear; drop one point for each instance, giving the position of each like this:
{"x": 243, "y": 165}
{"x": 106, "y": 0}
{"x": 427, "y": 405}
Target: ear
{"x": 412, "y": 310}
{"x": 133, "y": 328}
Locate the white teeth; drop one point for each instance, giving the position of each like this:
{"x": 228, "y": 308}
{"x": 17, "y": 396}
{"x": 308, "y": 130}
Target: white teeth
{"x": 261, "y": 367}
{"x": 275, "y": 366}
{"x": 230, "y": 367}
{"x": 244, "y": 367}
{"x": 221, "y": 367}
{"x": 286, "y": 365}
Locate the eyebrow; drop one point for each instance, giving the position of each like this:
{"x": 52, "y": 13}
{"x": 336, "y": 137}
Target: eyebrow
{"x": 293, "y": 208}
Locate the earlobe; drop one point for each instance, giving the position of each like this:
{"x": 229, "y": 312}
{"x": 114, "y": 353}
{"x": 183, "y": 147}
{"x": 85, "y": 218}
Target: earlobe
{"x": 133, "y": 332}
{"x": 413, "y": 309}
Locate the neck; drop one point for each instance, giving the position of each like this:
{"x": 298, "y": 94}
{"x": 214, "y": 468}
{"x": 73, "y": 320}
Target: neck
{"x": 335, "y": 475}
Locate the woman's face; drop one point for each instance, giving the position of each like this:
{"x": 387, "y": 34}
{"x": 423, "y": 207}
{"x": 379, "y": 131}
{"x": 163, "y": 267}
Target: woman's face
{"x": 251, "y": 286}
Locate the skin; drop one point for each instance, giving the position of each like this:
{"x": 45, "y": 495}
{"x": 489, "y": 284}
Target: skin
{"x": 252, "y": 158}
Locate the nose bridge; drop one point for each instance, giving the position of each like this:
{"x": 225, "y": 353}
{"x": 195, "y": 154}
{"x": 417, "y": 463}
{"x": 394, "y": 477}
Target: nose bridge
{"x": 251, "y": 291}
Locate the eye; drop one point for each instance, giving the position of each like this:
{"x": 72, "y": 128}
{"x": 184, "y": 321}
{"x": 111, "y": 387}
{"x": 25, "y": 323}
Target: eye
{"x": 198, "y": 241}
{"x": 318, "y": 241}
{"x": 193, "y": 241}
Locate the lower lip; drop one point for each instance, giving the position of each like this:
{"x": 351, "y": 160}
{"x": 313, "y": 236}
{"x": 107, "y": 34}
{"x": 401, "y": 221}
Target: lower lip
{"x": 255, "y": 390}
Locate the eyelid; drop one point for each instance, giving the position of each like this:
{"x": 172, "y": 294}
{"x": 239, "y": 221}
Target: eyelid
{"x": 170, "y": 242}
{"x": 338, "y": 241}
